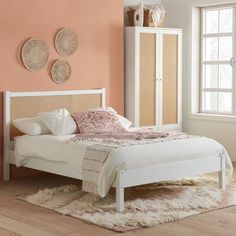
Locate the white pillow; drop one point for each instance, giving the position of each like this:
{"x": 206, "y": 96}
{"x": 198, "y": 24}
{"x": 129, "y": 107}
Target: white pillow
{"x": 59, "y": 122}
{"x": 125, "y": 122}
{"x": 31, "y": 126}
{"x": 103, "y": 109}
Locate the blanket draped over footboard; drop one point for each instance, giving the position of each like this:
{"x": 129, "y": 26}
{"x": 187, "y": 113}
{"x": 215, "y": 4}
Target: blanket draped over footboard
{"x": 98, "y": 158}
{"x": 94, "y": 159}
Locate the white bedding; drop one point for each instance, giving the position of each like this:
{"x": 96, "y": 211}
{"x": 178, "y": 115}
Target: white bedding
{"x": 59, "y": 149}
{"x": 50, "y": 148}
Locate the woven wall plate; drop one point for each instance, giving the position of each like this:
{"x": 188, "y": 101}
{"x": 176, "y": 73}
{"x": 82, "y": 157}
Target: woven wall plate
{"x": 66, "y": 42}
{"x": 60, "y": 71}
{"x": 34, "y": 54}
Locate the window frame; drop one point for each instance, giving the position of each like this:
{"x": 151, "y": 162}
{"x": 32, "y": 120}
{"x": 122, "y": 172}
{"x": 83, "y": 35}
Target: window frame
{"x": 203, "y": 35}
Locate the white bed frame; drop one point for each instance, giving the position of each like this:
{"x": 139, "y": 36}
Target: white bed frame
{"x": 124, "y": 178}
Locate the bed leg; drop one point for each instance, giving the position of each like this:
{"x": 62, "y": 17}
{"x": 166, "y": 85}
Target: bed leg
{"x": 120, "y": 192}
{"x": 222, "y": 174}
{"x": 6, "y": 168}
{"x": 6, "y": 172}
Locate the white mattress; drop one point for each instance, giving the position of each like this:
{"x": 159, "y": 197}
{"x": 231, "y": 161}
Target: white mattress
{"x": 48, "y": 150}
{"x": 58, "y": 149}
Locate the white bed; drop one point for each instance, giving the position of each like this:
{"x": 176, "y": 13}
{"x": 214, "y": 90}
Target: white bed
{"x": 140, "y": 164}
{"x": 59, "y": 150}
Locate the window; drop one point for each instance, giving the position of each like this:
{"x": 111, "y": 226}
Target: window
{"x": 218, "y": 60}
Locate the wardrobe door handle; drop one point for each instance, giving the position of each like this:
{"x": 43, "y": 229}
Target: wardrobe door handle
{"x": 232, "y": 62}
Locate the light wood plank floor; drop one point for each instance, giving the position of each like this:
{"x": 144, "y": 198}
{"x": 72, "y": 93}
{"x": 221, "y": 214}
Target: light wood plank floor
{"x": 19, "y": 218}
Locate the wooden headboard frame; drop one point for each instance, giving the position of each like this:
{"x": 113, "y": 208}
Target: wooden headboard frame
{"x": 11, "y": 98}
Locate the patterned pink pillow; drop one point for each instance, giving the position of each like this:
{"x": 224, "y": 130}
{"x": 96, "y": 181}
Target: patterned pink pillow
{"x": 97, "y": 122}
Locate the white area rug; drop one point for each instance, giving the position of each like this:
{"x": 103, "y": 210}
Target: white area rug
{"x": 146, "y": 206}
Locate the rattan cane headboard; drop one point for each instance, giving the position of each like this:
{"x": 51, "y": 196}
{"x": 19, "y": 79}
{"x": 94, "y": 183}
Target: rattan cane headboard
{"x": 29, "y": 104}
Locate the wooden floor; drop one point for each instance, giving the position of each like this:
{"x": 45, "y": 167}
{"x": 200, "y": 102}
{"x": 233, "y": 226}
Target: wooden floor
{"x": 20, "y": 218}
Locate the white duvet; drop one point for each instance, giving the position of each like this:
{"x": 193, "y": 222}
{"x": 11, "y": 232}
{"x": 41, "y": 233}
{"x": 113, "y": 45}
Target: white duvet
{"x": 49, "y": 148}
{"x": 58, "y": 149}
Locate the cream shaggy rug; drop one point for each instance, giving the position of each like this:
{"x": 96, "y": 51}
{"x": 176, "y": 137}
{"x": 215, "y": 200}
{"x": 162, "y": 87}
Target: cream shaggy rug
{"x": 146, "y": 206}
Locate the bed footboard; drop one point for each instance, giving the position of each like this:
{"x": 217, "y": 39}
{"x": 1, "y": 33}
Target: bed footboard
{"x": 168, "y": 171}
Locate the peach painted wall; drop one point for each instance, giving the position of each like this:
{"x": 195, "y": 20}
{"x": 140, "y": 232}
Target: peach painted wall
{"x": 97, "y": 63}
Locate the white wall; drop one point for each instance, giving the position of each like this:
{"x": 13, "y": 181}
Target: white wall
{"x": 221, "y": 130}
{"x": 136, "y": 2}
{"x": 179, "y": 12}
{"x": 178, "y": 15}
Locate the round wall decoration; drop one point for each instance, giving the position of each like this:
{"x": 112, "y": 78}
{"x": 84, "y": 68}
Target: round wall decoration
{"x": 60, "y": 71}
{"x": 34, "y": 54}
{"x": 66, "y": 42}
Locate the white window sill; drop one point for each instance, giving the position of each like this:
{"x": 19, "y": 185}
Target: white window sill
{"x": 213, "y": 117}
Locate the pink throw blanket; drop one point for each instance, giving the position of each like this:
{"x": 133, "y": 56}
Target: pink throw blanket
{"x": 131, "y": 135}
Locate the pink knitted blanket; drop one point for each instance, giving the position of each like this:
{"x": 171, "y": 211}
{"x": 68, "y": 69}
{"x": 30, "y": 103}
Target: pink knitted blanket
{"x": 128, "y": 135}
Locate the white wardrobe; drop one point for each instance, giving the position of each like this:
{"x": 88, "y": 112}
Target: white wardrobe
{"x": 153, "y": 75}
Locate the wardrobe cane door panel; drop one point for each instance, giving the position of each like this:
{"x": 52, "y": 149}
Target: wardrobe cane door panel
{"x": 170, "y": 79}
{"x": 147, "y": 79}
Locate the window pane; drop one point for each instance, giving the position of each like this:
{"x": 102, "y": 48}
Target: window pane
{"x": 225, "y": 75}
{"x": 210, "y": 101}
{"x": 217, "y": 50}
{"x": 212, "y": 22}
{"x": 225, "y": 48}
{"x": 211, "y": 48}
{"x": 225, "y": 102}
{"x": 226, "y": 20}
{"x": 211, "y": 76}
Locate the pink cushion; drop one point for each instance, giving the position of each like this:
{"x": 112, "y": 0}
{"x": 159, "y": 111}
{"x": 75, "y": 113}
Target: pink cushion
{"x": 97, "y": 122}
